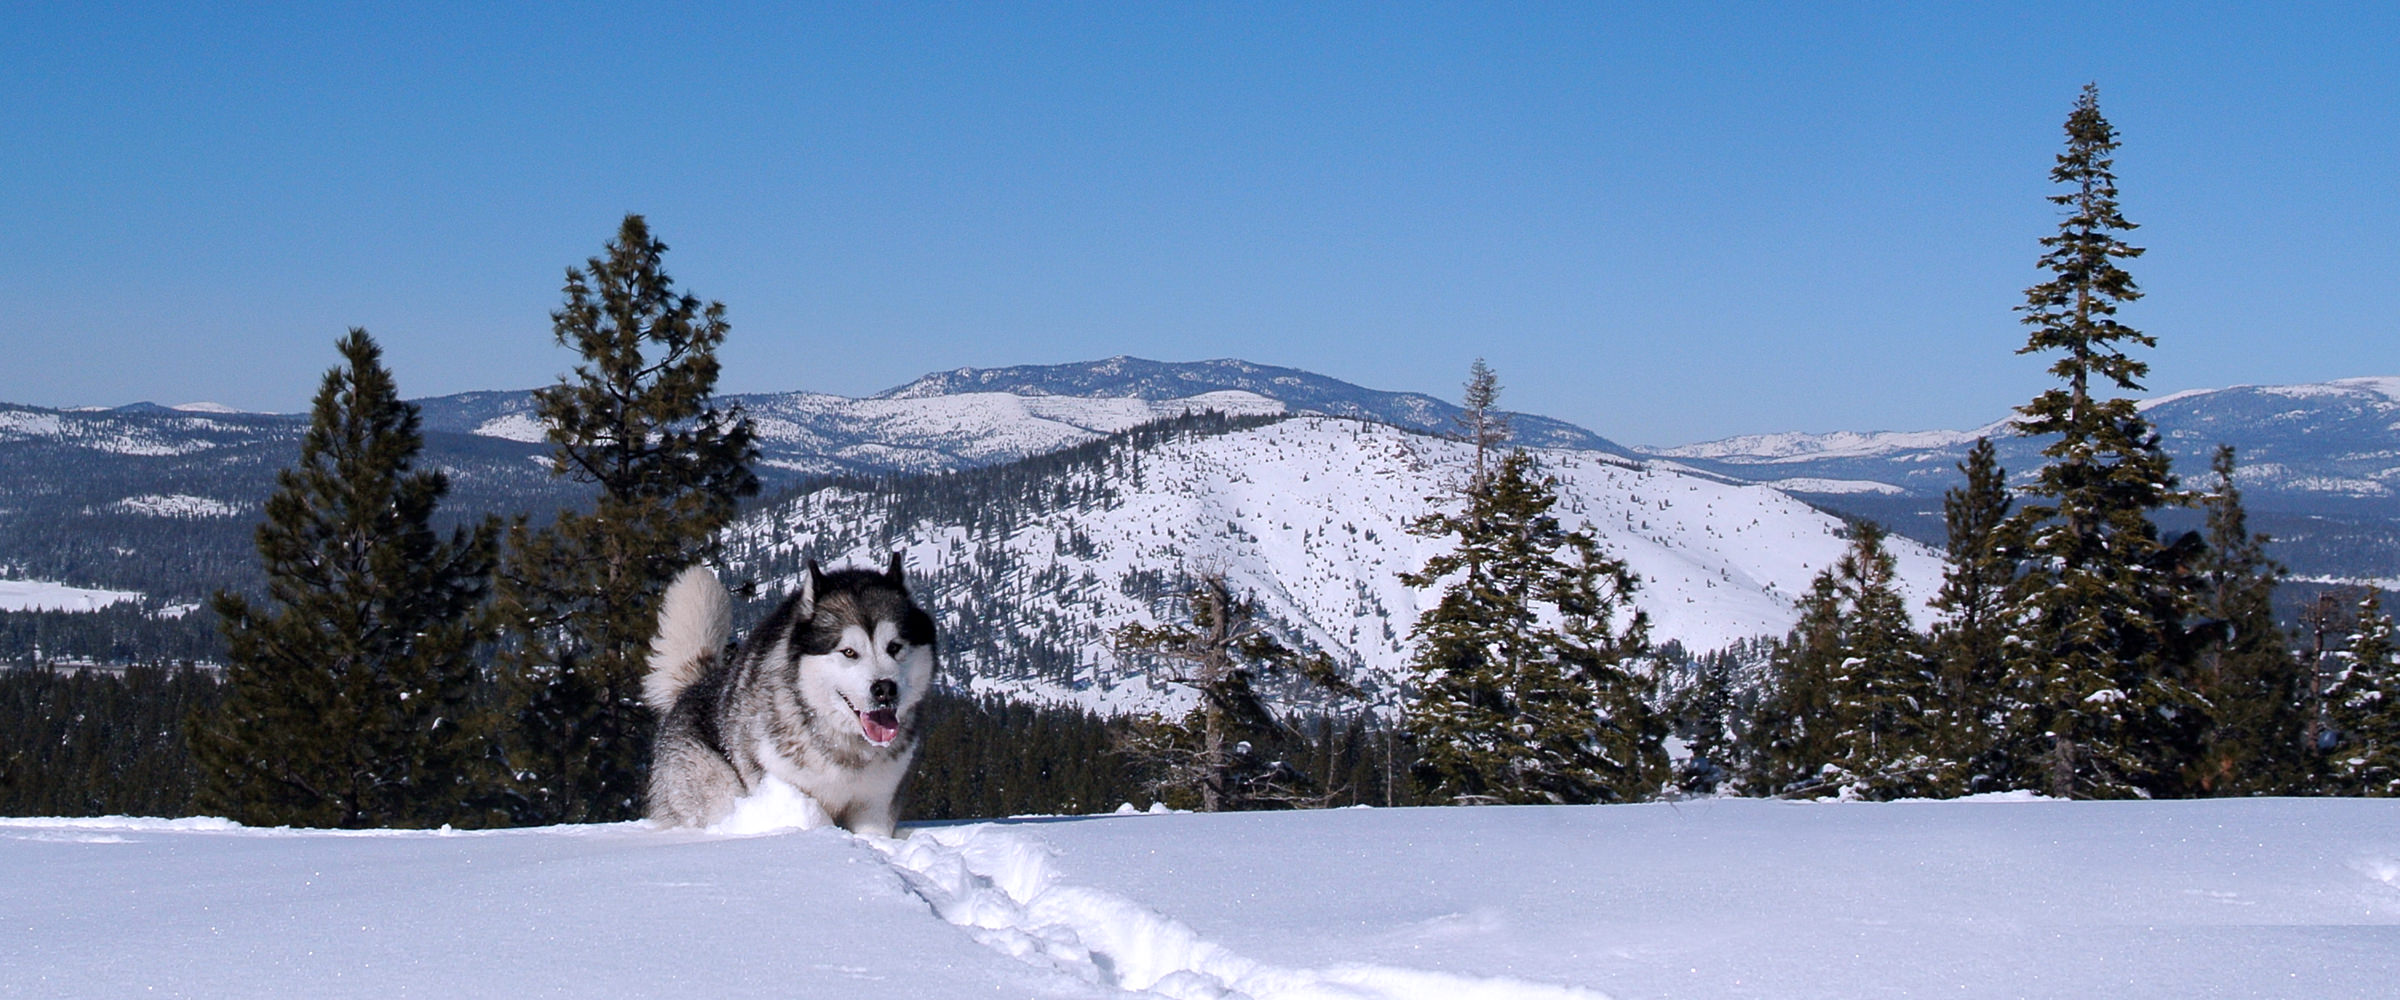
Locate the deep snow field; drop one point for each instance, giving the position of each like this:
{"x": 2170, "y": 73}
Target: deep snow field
{"x": 1705, "y": 899}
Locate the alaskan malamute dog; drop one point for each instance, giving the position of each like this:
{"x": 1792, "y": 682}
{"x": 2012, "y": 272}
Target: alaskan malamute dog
{"x": 824, "y": 695}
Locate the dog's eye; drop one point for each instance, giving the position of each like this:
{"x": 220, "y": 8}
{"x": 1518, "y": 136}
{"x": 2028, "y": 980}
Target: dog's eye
{"x": 892, "y": 650}
{"x": 849, "y": 653}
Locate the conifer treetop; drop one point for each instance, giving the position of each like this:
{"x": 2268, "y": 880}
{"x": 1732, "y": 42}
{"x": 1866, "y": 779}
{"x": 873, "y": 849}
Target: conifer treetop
{"x": 2076, "y": 310}
{"x": 638, "y": 417}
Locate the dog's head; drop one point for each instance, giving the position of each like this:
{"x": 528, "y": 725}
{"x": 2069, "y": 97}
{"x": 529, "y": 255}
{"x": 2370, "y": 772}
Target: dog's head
{"x": 864, "y": 650}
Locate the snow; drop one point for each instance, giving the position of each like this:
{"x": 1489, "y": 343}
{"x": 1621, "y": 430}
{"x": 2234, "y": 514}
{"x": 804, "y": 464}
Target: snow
{"x": 1798, "y": 446}
{"x": 818, "y": 432}
{"x": 1998, "y": 897}
{"x": 523, "y": 427}
{"x": 2382, "y": 385}
{"x": 2178, "y": 396}
{"x": 21, "y": 424}
{"x": 176, "y": 505}
{"x": 1809, "y": 484}
{"x": 41, "y": 595}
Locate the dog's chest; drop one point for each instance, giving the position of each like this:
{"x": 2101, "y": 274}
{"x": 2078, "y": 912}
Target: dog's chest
{"x": 835, "y": 785}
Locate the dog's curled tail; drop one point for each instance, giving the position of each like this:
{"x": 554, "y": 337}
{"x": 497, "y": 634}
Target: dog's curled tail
{"x": 694, "y": 621}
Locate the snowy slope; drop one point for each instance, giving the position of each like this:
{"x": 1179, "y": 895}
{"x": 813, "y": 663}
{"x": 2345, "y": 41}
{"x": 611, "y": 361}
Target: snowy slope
{"x": 808, "y": 432}
{"x": 1796, "y": 446}
{"x": 1310, "y": 515}
{"x": 1300, "y": 391}
{"x": 35, "y": 595}
{"x": 802, "y": 433}
{"x": 1705, "y": 900}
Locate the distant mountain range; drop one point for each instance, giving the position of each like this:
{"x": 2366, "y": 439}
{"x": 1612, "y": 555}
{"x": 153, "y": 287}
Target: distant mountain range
{"x": 971, "y": 417}
{"x": 163, "y": 500}
{"x": 2318, "y": 466}
{"x": 160, "y": 499}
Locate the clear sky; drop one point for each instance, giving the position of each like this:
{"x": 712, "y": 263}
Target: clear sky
{"x": 1667, "y": 223}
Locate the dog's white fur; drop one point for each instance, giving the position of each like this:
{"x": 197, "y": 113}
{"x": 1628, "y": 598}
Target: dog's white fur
{"x": 695, "y": 620}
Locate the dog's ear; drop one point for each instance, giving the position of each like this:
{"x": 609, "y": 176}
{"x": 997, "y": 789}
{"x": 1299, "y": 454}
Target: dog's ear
{"x": 810, "y": 582}
{"x": 893, "y": 573}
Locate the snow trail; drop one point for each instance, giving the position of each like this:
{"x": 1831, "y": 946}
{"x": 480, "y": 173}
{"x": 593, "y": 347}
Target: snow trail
{"x": 1002, "y": 887}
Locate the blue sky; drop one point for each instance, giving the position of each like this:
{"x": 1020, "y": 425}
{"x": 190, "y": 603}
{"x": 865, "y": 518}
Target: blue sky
{"x": 1665, "y": 223}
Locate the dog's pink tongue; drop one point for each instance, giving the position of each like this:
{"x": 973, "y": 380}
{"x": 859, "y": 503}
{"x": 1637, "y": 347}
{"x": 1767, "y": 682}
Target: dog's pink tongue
{"x": 879, "y": 726}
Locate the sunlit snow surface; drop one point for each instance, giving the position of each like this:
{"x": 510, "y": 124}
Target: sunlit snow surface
{"x": 1710, "y": 899}
{"x": 42, "y": 595}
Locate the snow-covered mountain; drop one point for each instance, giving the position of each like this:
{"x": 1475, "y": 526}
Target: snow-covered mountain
{"x": 1299, "y": 391}
{"x": 1029, "y": 569}
{"x": 162, "y": 500}
{"x": 972, "y": 417}
{"x": 806, "y": 433}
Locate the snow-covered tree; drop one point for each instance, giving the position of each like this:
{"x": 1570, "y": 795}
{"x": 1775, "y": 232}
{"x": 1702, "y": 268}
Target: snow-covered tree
{"x": 347, "y": 692}
{"x": 579, "y": 598}
{"x": 1531, "y": 685}
{"x": 2363, "y": 704}
{"x": 2100, "y": 693}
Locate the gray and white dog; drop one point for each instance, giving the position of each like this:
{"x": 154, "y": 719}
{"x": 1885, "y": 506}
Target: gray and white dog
{"x": 824, "y": 695}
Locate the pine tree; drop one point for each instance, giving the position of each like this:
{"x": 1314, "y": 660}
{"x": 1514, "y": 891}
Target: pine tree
{"x": 1854, "y": 691}
{"x": 1225, "y": 750}
{"x": 1791, "y": 736}
{"x": 2364, "y": 708}
{"x": 347, "y": 692}
{"x": 1529, "y": 683}
{"x": 579, "y": 598}
{"x": 1968, "y": 639}
{"x": 2102, "y": 703}
{"x": 2254, "y": 688}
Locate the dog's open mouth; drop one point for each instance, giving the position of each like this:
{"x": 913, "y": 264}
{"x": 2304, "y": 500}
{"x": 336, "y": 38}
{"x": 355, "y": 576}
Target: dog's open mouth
{"x": 880, "y": 726}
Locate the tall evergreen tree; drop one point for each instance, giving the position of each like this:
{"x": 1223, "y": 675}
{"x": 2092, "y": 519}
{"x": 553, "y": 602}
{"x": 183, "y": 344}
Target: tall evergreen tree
{"x": 1968, "y": 640}
{"x": 2254, "y": 688}
{"x": 347, "y": 692}
{"x": 1530, "y": 685}
{"x": 579, "y": 598}
{"x": 2101, "y": 688}
{"x": 2364, "y": 705}
{"x": 1224, "y": 750}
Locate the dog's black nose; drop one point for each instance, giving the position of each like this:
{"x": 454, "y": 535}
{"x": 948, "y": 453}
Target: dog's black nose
{"x": 884, "y": 692}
